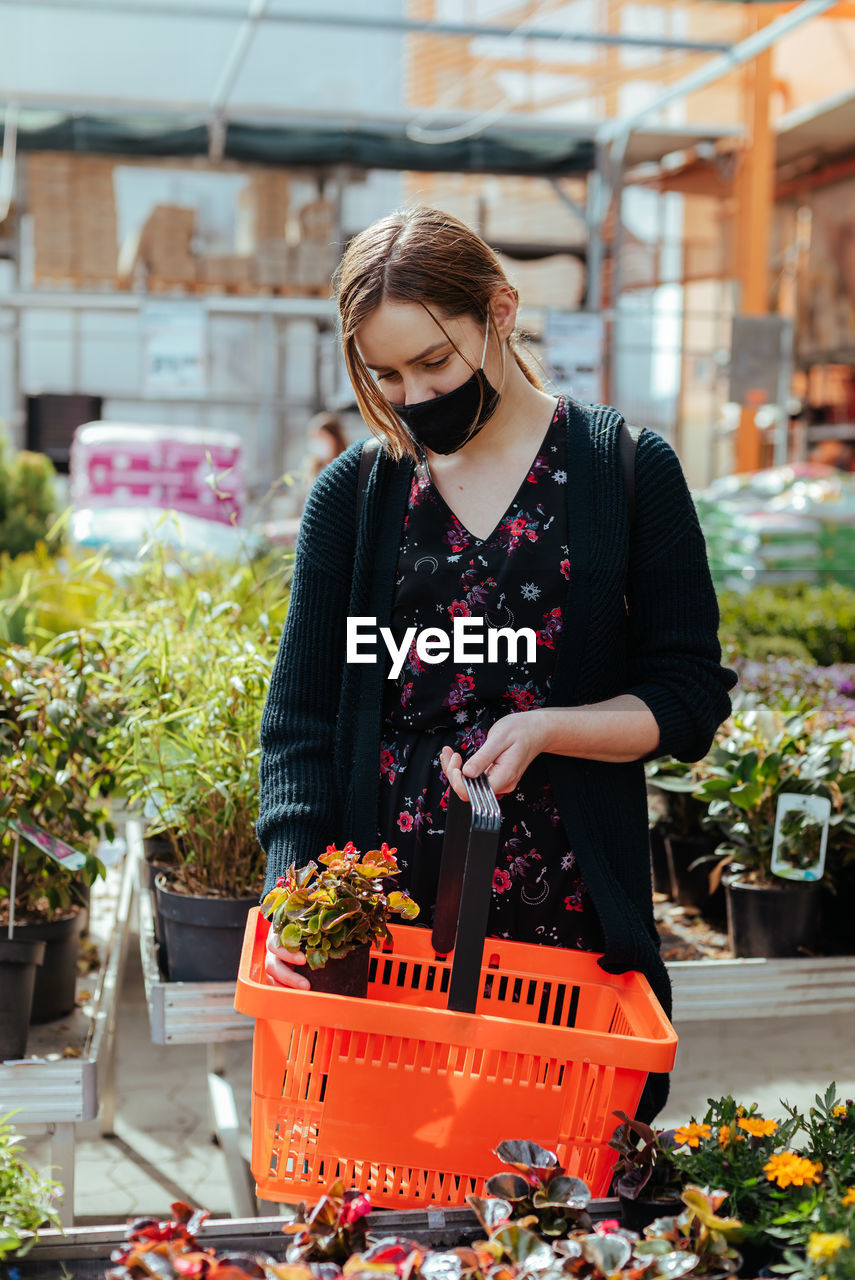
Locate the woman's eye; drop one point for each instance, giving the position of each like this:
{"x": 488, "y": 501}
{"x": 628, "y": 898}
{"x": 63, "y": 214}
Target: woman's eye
{"x": 436, "y": 364}
{"x": 384, "y": 377}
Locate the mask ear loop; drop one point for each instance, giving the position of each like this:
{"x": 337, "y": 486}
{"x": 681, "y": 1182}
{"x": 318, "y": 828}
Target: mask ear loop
{"x": 486, "y": 339}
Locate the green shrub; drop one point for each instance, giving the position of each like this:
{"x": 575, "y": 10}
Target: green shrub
{"x": 27, "y": 500}
{"x": 780, "y": 620}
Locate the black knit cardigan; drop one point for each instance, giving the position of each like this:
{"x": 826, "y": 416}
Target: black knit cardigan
{"x": 640, "y": 617}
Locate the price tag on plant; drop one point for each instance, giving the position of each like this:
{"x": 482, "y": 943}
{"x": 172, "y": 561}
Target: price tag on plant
{"x": 801, "y": 835}
{"x": 50, "y": 845}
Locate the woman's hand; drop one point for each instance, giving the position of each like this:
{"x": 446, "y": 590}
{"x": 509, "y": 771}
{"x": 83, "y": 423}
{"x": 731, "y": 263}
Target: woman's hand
{"x": 281, "y": 965}
{"x": 509, "y": 748}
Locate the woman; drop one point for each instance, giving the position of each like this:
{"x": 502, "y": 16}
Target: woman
{"x": 489, "y": 500}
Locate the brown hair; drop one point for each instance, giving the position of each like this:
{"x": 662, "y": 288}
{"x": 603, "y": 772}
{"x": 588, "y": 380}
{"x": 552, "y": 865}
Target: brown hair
{"x": 414, "y": 255}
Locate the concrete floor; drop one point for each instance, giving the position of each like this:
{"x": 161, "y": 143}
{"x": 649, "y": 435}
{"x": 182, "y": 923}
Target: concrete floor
{"x": 163, "y": 1148}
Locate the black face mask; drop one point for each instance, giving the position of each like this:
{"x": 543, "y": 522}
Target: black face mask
{"x": 445, "y": 423}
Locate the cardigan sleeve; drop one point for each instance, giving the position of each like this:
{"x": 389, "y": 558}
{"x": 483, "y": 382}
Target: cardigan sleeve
{"x": 674, "y": 655}
{"x": 297, "y": 796}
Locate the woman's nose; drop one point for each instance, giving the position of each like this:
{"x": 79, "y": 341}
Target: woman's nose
{"x": 417, "y": 389}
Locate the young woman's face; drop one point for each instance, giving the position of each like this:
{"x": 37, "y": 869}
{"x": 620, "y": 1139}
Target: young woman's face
{"x": 412, "y": 358}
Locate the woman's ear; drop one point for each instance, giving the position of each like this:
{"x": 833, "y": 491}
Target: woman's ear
{"x": 503, "y": 309}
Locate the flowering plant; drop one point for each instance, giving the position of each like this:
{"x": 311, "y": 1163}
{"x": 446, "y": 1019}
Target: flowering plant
{"x": 749, "y": 1158}
{"x": 329, "y": 910}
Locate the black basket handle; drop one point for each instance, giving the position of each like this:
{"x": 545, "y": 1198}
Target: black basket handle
{"x": 465, "y": 884}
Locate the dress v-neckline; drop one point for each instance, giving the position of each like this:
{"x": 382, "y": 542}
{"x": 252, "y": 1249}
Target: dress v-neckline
{"x": 482, "y": 541}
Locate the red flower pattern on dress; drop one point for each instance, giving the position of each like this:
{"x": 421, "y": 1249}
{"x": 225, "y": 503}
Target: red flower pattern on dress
{"x": 455, "y": 536}
{"x": 405, "y": 821}
{"x": 565, "y": 569}
{"x": 512, "y": 531}
{"x": 524, "y": 696}
{"x": 551, "y": 630}
{"x": 573, "y": 901}
{"x": 387, "y": 764}
{"x": 539, "y": 465}
{"x": 459, "y": 609}
{"x": 461, "y": 689}
{"x": 501, "y": 881}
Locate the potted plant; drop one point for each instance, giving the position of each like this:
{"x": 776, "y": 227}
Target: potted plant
{"x": 749, "y": 1158}
{"x": 697, "y": 1232}
{"x": 645, "y": 1178}
{"x": 334, "y": 912}
{"x": 196, "y": 655}
{"x": 27, "y": 1199}
{"x": 57, "y": 710}
{"x": 759, "y": 754}
{"x": 688, "y": 846}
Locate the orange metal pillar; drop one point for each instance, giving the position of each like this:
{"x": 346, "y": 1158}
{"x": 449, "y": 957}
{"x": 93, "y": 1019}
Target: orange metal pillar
{"x": 755, "y": 192}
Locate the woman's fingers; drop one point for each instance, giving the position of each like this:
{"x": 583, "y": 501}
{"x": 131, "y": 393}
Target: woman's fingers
{"x": 452, "y": 767}
{"x": 282, "y": 966}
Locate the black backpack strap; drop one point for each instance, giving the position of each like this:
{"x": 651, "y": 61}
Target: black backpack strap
{"x": 628, "y": 443}
{"x": 366, "y": 462}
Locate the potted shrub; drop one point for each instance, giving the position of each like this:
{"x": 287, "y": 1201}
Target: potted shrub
{"x": 688, "y": 846}
{"x": 334, "y": 912}
{"x": 27, "y": 1199}
{"x": 760, "y": 754}
{"x": 195, "y": 677}
{"x": 57, "y": 711}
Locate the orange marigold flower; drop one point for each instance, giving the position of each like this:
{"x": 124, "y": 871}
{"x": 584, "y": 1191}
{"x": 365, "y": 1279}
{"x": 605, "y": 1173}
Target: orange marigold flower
{"x": 787, "y": 1169}
{"x": 757, "y": 1126}
{"x": 840, "y": 1112}
{"x": 691, "y": 1134}
{"x": 726, "y": 1135}
{"x": 849, "y": 1198}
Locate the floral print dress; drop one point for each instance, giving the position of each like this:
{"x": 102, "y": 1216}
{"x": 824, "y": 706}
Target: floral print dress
{"x": 517, "y": 577}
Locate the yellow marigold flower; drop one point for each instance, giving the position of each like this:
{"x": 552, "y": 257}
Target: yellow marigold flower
{"x": 823, "y": 1245}
{"x": 788, "y": 1169}
{"x": 840, "y": 1112}
{"x": 757, "y": 1126}
{"x": 849, "y": 1198}
{"x": 691, "y": 1134}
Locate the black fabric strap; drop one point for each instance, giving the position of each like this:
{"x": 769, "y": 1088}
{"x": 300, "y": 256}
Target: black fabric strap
{"x": 366, "y": 462}
{"x": 627, "y": 443}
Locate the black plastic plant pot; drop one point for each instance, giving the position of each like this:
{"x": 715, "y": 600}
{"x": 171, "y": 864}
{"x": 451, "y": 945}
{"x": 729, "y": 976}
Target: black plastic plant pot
{"x": 772, "y": 921}
{"x": 202, "y": 936}
{"x": 690, "y": 882}
{"x": 56, "y": 979}
{"x": 659, "y": 862}
{"x": 19, "y": 960}
{"x": 637, "y": 1214}
{"x": 345, "y": 977}
{"x": 150, "y": 872}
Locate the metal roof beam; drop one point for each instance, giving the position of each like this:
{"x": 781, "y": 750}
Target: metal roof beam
{"x": 718, "y": 67}
{"x": 228, "y": 76}
{"x": 383, "y": 26}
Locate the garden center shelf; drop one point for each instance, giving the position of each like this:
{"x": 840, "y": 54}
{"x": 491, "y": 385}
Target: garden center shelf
{"x": 50, "y": 1093}
{"x": 705, "y": 990}
{"x": 89, "y": 1248}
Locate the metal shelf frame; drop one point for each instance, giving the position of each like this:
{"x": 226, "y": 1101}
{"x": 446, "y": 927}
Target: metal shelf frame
{"x": 51, "y": 1097}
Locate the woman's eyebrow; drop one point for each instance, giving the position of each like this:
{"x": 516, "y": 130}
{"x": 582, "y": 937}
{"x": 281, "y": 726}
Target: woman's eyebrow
{"x": 428, "y": 351}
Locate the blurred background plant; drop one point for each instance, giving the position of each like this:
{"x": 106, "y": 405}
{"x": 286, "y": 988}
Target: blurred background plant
{"x": 27, "y": 500}
{"x": 58, "y": 712}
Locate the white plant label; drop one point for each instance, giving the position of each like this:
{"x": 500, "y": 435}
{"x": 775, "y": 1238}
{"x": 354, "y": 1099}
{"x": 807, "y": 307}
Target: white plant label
{"x": 801, "y": 836}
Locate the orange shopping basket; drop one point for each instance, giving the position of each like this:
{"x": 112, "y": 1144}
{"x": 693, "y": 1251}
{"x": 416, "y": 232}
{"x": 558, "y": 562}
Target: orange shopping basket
{"x": 406, "y": 1094}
